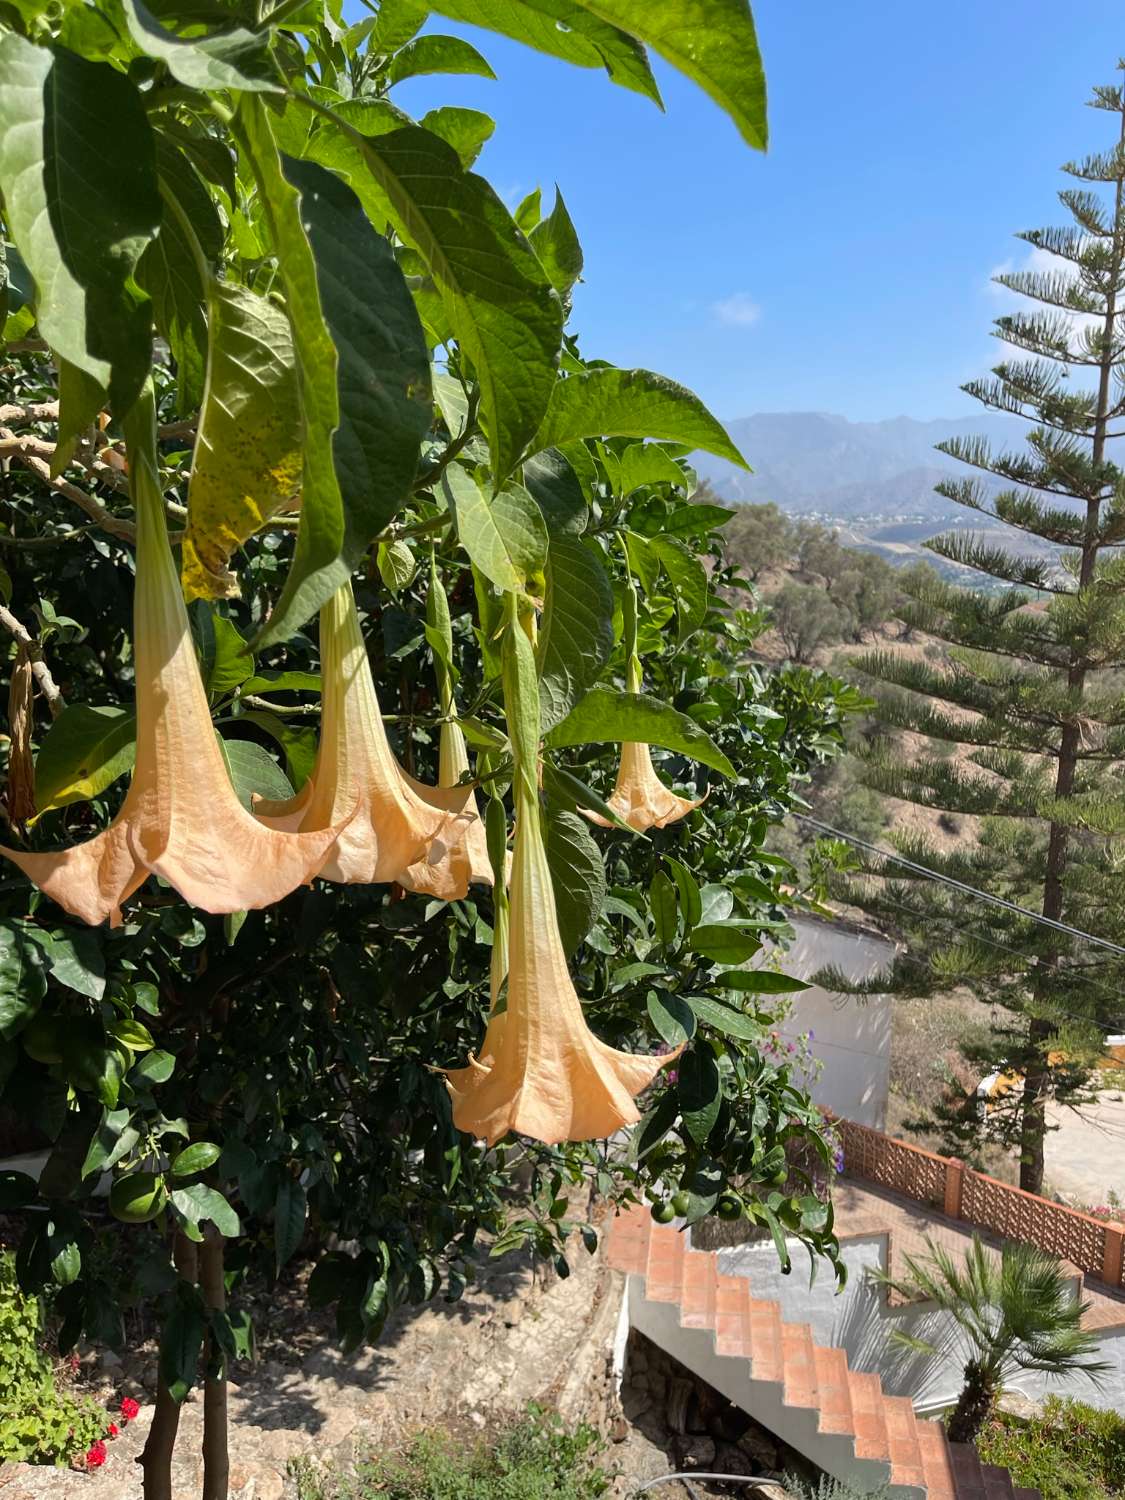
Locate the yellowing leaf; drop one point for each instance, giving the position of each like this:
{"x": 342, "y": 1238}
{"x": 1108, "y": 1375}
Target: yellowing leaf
{"x": 247, "y": 462}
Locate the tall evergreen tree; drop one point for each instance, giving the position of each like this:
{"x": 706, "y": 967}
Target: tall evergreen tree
{"x": 1022, "y": 721}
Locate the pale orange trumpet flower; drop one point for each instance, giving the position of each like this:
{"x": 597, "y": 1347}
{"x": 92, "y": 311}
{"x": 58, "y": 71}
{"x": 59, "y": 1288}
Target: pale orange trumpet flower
{"x": 181, "y": 818}
{"x": 428, "y": 839}
{"x": 639, "y": 797}
{"x": 541, "y": 1072}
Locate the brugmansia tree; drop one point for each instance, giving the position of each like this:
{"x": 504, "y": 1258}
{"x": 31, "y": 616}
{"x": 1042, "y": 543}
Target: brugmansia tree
{"x": 370, "y": 558}
{"x": 1029, "y": 689}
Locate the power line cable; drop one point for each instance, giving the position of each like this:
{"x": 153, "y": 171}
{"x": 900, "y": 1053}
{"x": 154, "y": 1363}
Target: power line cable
{"x": 963, "y": 887}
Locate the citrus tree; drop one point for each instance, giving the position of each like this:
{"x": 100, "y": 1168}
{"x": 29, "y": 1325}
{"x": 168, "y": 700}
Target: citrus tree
{"x": 348, "y": 604}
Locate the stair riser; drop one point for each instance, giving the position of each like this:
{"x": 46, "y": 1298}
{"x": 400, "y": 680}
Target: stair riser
{"x": 760, "y": 1399}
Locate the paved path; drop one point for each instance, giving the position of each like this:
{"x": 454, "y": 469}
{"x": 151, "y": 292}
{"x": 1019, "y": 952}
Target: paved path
{"x": 1085, "y": 1156}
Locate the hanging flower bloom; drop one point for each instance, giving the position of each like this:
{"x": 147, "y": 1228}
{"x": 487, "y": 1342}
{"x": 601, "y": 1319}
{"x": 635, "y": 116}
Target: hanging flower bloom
{"x": 181, "y": 818}
{"x": 541, "y": 1071}
{"x": 639, "y": 797}
{"x": 402, "y": 830}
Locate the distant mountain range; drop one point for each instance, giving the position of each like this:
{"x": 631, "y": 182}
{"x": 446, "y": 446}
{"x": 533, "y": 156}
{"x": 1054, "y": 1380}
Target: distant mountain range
{"x": 816, "y": 463}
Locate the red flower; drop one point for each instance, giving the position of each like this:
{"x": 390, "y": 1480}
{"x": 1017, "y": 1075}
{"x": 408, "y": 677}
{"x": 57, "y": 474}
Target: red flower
{"x": 129, "y": 1408}
{"x": 112, "y": 1430}
{"x": 95, "y": 1455}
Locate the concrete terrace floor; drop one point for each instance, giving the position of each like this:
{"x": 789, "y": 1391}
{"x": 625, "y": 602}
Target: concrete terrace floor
{"x": 862, "y": 1209}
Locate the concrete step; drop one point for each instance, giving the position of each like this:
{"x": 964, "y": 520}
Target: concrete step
{"x": 800, "y": 1388}
{"x": 665, "y": 1269}
{"x": 902, "y": 1429}
{"x": 766, "y": 1362}
{"x": 697, "y": 1295}
{"x": 871, "y": 1437}
{"x": 937, "y": 1465}
{"x": 835, "y": 1393}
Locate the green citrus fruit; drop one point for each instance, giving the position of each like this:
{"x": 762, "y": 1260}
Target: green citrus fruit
{"x": 663, "y": 1213}
{"x": 729, "y": 1207}
{"x": 137, "y": 1198}
{"x": 681, "y": 1202}
{"x": 41, "y": 1039}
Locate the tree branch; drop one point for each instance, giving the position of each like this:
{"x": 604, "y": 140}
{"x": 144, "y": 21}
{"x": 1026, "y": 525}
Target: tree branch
{"x": 39, "y": 668}
{"x": 35, "y": 411}
{"x": 33, "y": 454}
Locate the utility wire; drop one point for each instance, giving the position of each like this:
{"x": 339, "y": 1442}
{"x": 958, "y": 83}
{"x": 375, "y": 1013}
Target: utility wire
{"x": 960, "y": 885}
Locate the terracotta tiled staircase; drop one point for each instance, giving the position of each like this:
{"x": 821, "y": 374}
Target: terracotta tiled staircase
{"x": 840, "y": 1418}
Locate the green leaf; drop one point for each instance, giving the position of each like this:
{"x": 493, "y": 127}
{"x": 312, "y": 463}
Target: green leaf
{"x": 132, "y": 1035}
{"x": 605, "y": 716}
{"x": 170, "y": 274}
{"x": 397, "y": 565}
{"x": 691, "y": 899}
{"x": 558, "y": 492}
{"x": 195, "y": 1158}
{"x": 230, "y": 59}
{"x": 364, "y": 376}
{"x": 689, "y": 582}
{"x": 530, "y": 210}
{"x": 180, "y": 1342}
{"x": 671, "y": 1016}
{"x": 75, "y": 958}
{"x": 565, "y": 29}
{"x": 664, "y": 905}
{"x": 647, "y": 463}
{"x": 723, "y": 945}
{"x": 198, "y": 1203}
{"x": 505, "y": 314}
{"x": 154, "y": 1067}
{"x": 576, "y": 633}
{"x": 699, "y": 1092}
{"x": 253, "y": 770}
{"x": 436, "y": 54}
{"x": 232, "y": 665}
{"x": 247, "y": 460}
{"x": 630, "y": 403}
{"x": 703, "y": 1187}
{"x": 298, "y": 745}
{"x": 577, "y": 875}
{"x": 466, "y": 130}
{"x": 81, "y": 398}
{"x": 555, "y": 241}
{"x": 263, "y": 683}
{"x": 86, "y": 749}
{"x": 725, "y": 1019}
{"x": 114, "y": 1138}
{"x": 506, "y": 538}
{"x": 66, "y": 1263}
{"x": 569, "y": 790}
{"x": 22, "y": 981}
{"x": 289, "y": 1212}
{"x": 758, "y": 981}
{"x": 713, "y": 42}
{"x": 79, "y": 228}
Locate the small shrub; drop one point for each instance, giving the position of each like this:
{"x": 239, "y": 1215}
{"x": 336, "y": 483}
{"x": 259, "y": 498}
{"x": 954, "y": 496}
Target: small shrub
{"x": 537, "y": 1458}
{"x": 830, "y": 1489}
{"x": 1069, "y": 1451}
{"x": 38, "y": 1423}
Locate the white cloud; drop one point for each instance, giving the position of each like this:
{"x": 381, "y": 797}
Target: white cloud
{"x": 738, "y": 310}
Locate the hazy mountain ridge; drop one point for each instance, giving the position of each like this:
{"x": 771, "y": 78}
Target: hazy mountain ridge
{"x": 816, "y": 462}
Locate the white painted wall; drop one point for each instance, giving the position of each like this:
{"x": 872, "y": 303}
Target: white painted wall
{"x": 851, "y": 1034}
{"x": 859, "y": 1320}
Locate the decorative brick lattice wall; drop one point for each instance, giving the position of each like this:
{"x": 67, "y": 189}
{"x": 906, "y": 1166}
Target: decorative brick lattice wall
{"x": 892, "y": 1164}
{"x": 1095, "y": 1247}
{"x": 1017, "y": 1215}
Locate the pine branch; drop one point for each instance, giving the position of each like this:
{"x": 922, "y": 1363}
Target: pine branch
{"x": 1088, "y": 211}
{"x": 967, "y": 551}
{"x": 1055, "y": 288}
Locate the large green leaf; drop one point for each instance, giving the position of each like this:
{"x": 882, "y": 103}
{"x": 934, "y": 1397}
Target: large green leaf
{"x": 712, "y": 41}
{"x": 169, "y": 272}
{"x": 630, "y": 403}
{"x": 555, "y": 241}
{"x": 506, "y": 537}
{"x": 689, "y": 581}
{"x": 437, "y": 54}
{"x": 22, "y": 981}
{"x": 86, "y": 749}
{"x": 229, "y": 59}
{"x": 576, "y": 635}
{"x": 80, "y": 227}
{"x": 466, "y": 130}
{"x": 505, "y": 314}
{"x": 648, "y": 463}
{"x": 247, "y": 461}
{"x": 700, "y": 1092}
{"x": 558, "y": 491}
{"x": 605, "y": 716}
{"x": 363, "y": 370}
{"x": 562, "y": 28}
{"x": 577, "y": 875}
{"x": 254, "y": 772}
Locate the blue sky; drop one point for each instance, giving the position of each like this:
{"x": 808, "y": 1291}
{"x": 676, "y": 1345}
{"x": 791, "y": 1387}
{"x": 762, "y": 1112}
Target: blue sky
{"x": 847, "y": 269}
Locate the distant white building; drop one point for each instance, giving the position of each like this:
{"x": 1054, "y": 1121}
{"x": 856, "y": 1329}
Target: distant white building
{"x": 851, "y": 1034}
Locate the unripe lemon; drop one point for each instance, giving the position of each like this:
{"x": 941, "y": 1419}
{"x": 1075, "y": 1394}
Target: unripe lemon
{"x": 137, "y": 1198}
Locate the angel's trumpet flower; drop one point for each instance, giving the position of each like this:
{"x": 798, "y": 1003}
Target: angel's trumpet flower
{"x": 402, "y": 830}
{"x": 639, "y": 797}
{"x": 541, "y": 1072}
{"x": 181, "y": 818}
